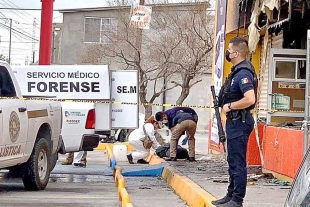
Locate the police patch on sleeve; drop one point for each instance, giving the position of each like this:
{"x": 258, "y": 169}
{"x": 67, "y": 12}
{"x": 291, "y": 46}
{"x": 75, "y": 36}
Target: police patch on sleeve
{"x": 244, "y": 80}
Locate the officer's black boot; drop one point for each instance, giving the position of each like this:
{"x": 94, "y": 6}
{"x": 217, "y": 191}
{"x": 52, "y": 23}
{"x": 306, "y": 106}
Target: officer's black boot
{"x": 231, "y": 204}
{"x": 223, "y": 200}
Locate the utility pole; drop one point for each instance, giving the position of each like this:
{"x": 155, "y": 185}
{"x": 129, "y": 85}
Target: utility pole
{"x": 10, "y": 41}
{"x": 10, "y": 46}
{"x": 33, "y": 40}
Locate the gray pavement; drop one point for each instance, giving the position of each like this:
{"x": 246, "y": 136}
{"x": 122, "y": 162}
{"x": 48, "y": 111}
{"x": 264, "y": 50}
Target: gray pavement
{"x": 71, "y": 186}
{"x": 260, "y": 193}
{"x": 151, "y": 191}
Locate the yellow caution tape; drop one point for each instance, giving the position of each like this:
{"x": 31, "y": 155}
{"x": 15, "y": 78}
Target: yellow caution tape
{"x": 101, "y": 101}
{"x": 143, "y": 104}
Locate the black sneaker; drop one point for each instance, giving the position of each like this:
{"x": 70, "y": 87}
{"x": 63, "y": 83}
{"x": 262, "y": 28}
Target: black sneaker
{"x": 142, "y": 161}
{"x": 231, "y": 204}
{"x": 130, "y": 159}
{"x": 79, "y": 165}
{"x": 224, "y": 200}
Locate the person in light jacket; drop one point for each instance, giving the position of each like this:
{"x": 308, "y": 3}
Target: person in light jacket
{"x": 135, "y": 140}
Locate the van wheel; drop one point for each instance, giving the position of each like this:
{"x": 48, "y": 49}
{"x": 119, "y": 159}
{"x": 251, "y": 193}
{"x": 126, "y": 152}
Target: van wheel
{"x": 54, "y": 158}
{"x": 36, "y": 170}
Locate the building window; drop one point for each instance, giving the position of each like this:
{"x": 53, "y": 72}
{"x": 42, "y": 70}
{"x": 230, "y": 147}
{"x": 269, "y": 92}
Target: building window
{"x": 99, "y": 30}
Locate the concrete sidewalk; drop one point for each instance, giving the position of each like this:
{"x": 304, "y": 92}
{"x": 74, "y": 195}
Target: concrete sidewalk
{"x": 213, "y": 168}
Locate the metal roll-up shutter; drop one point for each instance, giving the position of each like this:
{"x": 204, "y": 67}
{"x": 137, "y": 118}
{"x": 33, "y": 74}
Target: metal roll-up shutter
{"x": 273, "y": 42}
{"x": 277, "y": 40}
{"x": 263, "y": 75}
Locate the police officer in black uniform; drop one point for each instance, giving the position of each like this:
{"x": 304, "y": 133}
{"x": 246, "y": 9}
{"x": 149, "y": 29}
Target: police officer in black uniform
{"x": 237, "y": 97}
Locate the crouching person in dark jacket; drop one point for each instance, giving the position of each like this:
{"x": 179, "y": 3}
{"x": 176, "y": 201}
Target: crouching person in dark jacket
{"x": 183, "y": 122}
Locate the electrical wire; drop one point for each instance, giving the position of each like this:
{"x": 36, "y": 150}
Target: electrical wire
{"x": 16, "y": 12}
{"x": 21, "y": 33}
{"x": 9, "y": 3}
{"x": 20, "y": 30}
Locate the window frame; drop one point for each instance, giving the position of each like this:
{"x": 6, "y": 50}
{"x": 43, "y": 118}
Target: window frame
{"x": 100, "y": 40}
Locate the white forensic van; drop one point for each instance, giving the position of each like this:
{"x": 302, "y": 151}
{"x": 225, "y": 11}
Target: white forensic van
{"x": 69, "y": 82}
{"x": 30, "y": 132}
{"x": 85, "y": 123}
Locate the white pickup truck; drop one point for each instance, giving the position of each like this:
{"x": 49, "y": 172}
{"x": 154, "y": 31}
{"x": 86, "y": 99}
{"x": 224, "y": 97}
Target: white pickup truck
{"x": 30, "y": 132}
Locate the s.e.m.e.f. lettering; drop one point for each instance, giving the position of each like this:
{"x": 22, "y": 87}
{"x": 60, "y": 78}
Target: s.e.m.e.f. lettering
{"x": 64, "y": 86}
{"x": 125, "y": 89}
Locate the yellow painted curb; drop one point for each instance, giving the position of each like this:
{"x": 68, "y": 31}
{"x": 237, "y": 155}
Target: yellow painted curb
{"x": 109, "y": 151}
{"x": 154, "y": 159}
{"x": 103, "y": 146}
{"x": 188, "y": 190}
{"x": 122, "y": 193}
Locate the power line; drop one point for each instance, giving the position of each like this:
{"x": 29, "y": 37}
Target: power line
{"x": 17, "y": 42}
{"x": 17, "y": 37}
{"x": 2, "y": 14}
{"x": 21, "y": 33}
{"x": 13, "y": 11}
{"x": 11, "y": 3}
{"x": 22, "y": 9}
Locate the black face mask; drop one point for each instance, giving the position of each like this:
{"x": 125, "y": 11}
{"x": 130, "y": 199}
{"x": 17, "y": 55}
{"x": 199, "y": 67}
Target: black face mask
{"x": 227, "y": 56}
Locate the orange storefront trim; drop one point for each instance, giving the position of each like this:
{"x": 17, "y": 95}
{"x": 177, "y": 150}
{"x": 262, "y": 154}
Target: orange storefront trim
{"x": 282, "y": 150}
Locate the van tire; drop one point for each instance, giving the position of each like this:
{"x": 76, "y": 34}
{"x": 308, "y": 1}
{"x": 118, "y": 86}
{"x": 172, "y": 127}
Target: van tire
{"x": 36, "y": 170}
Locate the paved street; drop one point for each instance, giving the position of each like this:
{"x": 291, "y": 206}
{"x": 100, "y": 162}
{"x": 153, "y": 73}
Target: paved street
{"x": 259, "y": 193}
{"x": 70, "y": 186}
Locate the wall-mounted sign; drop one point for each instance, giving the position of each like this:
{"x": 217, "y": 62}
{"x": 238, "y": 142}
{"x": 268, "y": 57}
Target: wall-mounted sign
{"x": 140, "y": 17}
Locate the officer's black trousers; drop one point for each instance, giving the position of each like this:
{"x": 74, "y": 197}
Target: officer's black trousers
{"x": 236, "y": 157}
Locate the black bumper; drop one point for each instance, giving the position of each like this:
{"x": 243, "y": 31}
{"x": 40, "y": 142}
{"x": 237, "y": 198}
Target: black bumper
{"x": 89, "y": 142}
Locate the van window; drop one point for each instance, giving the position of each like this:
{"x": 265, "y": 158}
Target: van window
{"x": 7, "y": 88}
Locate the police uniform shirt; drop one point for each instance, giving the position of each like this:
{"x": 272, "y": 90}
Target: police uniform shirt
{"x": 241, "y": 83}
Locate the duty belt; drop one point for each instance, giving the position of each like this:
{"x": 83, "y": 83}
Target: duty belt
{"x": 237, "y": 114}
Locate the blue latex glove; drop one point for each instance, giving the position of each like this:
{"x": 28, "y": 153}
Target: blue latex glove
{"x": 184, "y": 141}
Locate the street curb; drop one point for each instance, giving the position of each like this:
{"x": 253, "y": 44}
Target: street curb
{"x": 188, "y": 190}
{"x": 184, "y": 187}
{"x": 122, "y": 193}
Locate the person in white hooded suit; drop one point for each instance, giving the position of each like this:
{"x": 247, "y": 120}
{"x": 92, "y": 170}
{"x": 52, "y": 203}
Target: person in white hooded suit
{"x": 136, "y": 138}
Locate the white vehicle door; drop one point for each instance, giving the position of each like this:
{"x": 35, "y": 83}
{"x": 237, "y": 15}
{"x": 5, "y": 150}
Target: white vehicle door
{"x": 14, "y": 121}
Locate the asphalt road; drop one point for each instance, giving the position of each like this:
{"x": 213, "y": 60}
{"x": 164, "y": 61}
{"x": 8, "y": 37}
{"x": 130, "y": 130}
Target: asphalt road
{"x": 71, "y": 186}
